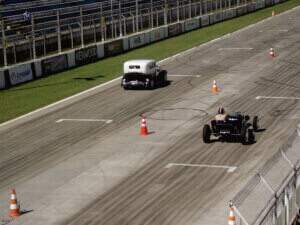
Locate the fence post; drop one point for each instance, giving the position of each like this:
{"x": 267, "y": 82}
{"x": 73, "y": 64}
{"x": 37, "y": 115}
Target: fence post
{"x": 120, "y": 20}
{"x": 190, "y": 8}
{"x": 177, "y": 10}
{"x": 137, "y": 15}
{"x": 151, "y": 13}
{"x": 58, "y": 32}
{"x": 33, "y": 37}
{"x": 81, "y": 28}
{"x": 166, "y": 14}
{"x": 71, "y": 36}
{"x": 4, "y": 43}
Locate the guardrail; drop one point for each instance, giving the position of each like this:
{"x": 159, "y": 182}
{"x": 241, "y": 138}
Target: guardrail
{"x": 272, "y": 196}
{"x": 36, "y": 68}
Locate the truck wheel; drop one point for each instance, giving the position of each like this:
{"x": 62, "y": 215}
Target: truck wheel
{"x": 251, "y": 136}
{"x": 255, "y": 123}
{"x": 206, "y": 133}
{"x": 244, "y": 135}
{"x": 152, "y": 84}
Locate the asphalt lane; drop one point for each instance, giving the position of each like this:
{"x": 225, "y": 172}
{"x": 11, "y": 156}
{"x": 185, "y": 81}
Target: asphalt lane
{"x": 56, "y": 166}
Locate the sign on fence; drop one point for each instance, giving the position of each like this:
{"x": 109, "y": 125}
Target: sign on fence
{"x": 204, "y": 20}
{"x": 113, "y": 48}
{"x": 85, "y": 55}
{"x": 20, "y": 74}
{"x": 54, "y": 64}
{"x": 71, "y": 59}
{"x": 268, "y": 2}
{"x": 136, "y": 41}
{"x": 2, "y": 79}
{"x": 38, "y": 68}
{"x": 241, "y": 10}
{"x": 260, "y": 4}
{"x": 100, "y": 51}
{"x": 174, "y": 29}
{"x": 191, "y": 24}
{"x": 158, "y": 34}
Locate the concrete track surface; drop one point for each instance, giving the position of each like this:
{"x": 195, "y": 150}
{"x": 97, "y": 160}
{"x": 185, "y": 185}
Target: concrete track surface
{"x": 95, "y": 172}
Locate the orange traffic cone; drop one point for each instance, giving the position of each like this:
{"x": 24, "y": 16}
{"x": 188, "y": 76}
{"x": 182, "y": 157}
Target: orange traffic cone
{"x": 14, "y": 207}
{"x": 143, "y": 128}
{"x": 215, "y": 88}
{"x": 273, "y": 13}
{"x": 231, "y": 217}
{"x": 272, "y": 52}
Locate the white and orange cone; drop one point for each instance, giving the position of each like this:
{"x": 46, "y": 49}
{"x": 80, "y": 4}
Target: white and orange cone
{"x": 273, "y": 13}
{"x": 215, "y": 88}
{"x": 14, "y": 207}
{"x": 231, "y": 217}
{"x": 272, "y": 52}
{"x": 143, "y": 128}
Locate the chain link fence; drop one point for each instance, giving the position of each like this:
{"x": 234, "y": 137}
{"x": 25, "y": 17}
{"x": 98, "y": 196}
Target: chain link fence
{"x": 38, "y": 34}
{"x": 272, "y": 196}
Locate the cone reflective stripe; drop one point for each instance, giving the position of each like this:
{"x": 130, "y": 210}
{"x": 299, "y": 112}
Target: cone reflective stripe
{"x": 231, "y": 217}
{"x": 14, "y": 207}
{"x": 143, "y": 129}
{"x": 272, "y": 52}
{"x": 214, "y": 88}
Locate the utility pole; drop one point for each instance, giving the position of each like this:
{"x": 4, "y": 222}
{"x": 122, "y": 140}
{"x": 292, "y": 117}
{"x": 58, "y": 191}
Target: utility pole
{"x": 137, "y": 15}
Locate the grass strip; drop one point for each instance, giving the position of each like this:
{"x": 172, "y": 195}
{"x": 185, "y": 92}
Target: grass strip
{"x": 27, "y": 97}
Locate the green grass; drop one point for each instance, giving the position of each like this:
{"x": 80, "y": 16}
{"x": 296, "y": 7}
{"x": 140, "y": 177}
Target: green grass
{"x": 22, "y": 99}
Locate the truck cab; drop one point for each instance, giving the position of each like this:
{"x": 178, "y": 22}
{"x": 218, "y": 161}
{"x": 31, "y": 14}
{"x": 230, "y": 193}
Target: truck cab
{"x": 143, "y": 73}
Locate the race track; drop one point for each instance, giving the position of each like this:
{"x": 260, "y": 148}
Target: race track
{"x": 80, "y": 171}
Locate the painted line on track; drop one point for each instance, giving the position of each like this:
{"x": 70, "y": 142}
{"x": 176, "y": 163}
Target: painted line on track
{"x": 84, "y": 120}
{"x": 159, "y": 62}
{"x": 181, "y": 75}
{"x": 274, "y": 30}
{"x": 230, "y": 169}
{"x": 276, "y": 97}
{"x": 221, "y": 49}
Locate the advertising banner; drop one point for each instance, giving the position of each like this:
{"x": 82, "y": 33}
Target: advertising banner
{"x": 100, "y": 51}
{"x": 2, "y": 79}
{"x": 212, "y": 19}
{"x": 204, "y": 20}
{"x": 54, "y": 64}
{"x": 71, "y": 59}
{"x": 260, "y": 4}
{"x": 191, "y": 24}
{"x": 147, "y": 37}
{"x": 157, "y": 34}
{"x": 174, "y": 29}
{"x": 85, "y": 55}
{"x": 218, "y": 17}
{"x": 250, "y": 7}
{"x": 268, "y": 2}
{"x": 136, "y": 41}
{"x": 125, "y": 43}
{"x": 20, "y": 74}
{"x": 241, "y": 10}
{"x": 38, "y": 68}
{"x": 113, "y": 48}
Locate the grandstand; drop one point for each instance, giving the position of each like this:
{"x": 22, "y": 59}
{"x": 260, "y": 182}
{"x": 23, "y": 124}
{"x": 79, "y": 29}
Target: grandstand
{"x": 32, "y": 29}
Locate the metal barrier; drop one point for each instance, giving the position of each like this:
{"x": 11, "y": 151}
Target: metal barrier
{"x": 272, "y": 196}
{"x": 55, "y": 31}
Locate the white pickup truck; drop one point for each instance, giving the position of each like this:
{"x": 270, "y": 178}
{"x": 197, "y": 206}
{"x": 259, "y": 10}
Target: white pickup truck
{"x": 143, "y": 73}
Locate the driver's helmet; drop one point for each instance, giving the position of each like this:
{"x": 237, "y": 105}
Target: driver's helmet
{"x": 221, "y": 110}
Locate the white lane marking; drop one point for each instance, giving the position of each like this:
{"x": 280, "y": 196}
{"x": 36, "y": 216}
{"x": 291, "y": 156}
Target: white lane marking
{"x": 230, "y": 169}
{"x": 220, "y": 49}
{"x": 85, "y": 120}
{"x": 181, "y": 75}
{"x": 274, "y": 30}
{"x": 276, "y": 97}
{"x": 159, "y": 62}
